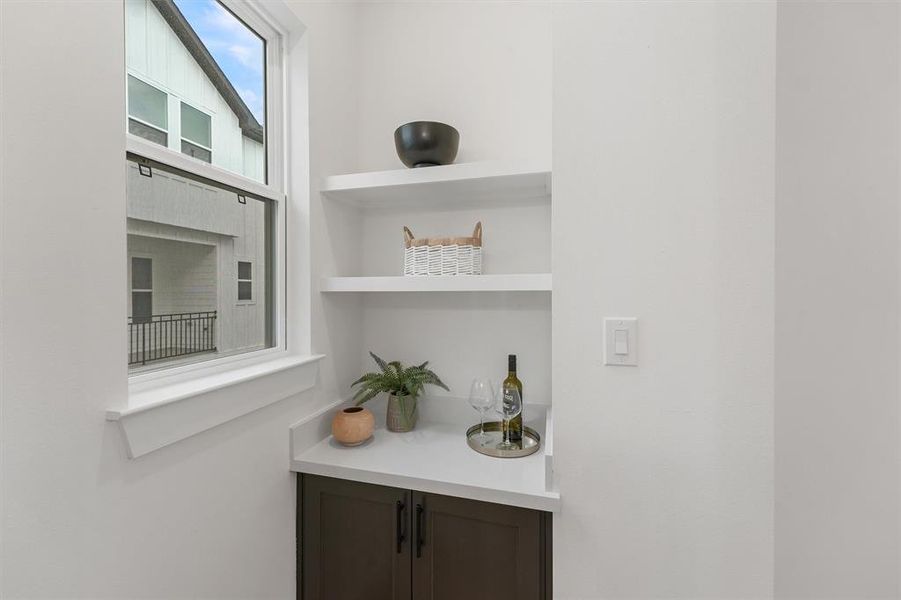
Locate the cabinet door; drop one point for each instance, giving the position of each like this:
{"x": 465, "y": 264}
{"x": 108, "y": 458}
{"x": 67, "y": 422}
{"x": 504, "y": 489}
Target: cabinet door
{"x": 354, "y": 540}
{"x": 477, "y": 550}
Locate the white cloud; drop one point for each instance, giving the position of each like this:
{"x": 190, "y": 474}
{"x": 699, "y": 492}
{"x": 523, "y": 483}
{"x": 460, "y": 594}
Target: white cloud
{"x": 233, "y": 36}
{"x": 249, "y": 57}
{"x": 237, "y": 49}
{"x": 242, "y": 44}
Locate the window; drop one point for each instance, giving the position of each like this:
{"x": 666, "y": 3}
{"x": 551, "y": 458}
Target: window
{"x": 141, "y": 289}
{"x": 245, "y": 280}
{"x": 209, "y": 224}
{"x": 148, "y": 115}
{"x": 195, "y": 133}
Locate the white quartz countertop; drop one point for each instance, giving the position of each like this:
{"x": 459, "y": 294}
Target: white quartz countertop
{"x": 432, "y": 458}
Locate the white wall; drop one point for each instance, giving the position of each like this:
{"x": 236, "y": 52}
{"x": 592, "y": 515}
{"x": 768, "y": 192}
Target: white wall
{"x": 483, "y": 67}
{"x": 837, "y": 300}
{"x": 209, "y": 517}
{"x": 663, "y": 157}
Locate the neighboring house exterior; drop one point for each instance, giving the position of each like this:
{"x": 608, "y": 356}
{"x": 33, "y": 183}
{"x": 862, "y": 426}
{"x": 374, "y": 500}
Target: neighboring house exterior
{"x": 197, "y": 254}
{"x": 203, "y": 114}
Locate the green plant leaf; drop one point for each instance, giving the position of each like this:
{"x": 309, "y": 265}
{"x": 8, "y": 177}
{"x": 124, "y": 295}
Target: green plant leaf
{"x": 381, "y": 363}
{"x": 366, "y": 396}
{"x": 397, "y": 369}
{"x": 435, "y": 380}
{"x": 367, "y": 377}
{"x": 395, "y": 379}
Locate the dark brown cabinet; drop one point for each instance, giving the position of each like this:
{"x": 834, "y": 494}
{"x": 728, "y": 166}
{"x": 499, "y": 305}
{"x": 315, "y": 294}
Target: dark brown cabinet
{"x": 361, "y": 541}
{"x": 353, "y": 540}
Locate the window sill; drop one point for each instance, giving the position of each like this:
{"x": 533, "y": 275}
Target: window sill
{"x": 162, "y": 415}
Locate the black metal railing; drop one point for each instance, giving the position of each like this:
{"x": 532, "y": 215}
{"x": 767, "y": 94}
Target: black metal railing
{"x": 170, "y": 336}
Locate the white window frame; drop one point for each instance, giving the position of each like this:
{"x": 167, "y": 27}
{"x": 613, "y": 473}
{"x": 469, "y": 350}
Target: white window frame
{"x": 285, "y": 42}
{"x": 182, "y": 138}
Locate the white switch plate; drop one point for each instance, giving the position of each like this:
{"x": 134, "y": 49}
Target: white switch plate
{"x": 621, "y": 341}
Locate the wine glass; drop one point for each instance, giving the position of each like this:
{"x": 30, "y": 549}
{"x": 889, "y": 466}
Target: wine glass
{"x": 508, "y": 408}
{"x": 482, "y": 396}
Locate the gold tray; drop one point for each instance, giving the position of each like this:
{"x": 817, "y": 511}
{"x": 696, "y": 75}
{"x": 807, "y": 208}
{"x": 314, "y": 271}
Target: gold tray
{"x": 529, "y": 444}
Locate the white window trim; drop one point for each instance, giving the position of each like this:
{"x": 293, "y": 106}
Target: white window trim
{"x": 202, "y": 403}
{"x": 175, "y": 159}
{"x": 172, "y": 404}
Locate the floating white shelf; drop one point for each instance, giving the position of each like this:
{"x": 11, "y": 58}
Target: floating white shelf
{"x": 449, "y": 186}
{"x": 527, "y": 282}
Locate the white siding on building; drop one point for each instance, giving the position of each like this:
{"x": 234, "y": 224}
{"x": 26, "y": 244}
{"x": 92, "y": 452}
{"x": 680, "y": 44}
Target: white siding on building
{"x": 155, "y": 54}
{"x": 246, "y": 321}
{"x": 254, "y": 160}
{"x": 171, "y": 199}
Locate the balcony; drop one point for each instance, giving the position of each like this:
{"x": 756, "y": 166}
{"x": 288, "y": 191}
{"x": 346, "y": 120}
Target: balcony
{"x": 161, "y": 337}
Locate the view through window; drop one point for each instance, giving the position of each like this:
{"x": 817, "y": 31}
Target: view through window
{"x": 199, "y": 268}
{"x": 199, "y": 250}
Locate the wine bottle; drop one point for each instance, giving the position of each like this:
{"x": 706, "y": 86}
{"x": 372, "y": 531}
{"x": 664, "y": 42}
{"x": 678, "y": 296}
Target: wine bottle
{"x": 513, "y": 383}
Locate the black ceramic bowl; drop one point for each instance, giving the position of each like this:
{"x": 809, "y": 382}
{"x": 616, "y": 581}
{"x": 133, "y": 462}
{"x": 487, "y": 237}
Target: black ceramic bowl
{"x": 426, "y": 143}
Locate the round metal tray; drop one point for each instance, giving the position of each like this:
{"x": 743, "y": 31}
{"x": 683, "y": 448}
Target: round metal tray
{"x": 530, "y": 443}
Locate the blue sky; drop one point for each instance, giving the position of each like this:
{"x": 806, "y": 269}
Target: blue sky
{"x": 238, "y": 50}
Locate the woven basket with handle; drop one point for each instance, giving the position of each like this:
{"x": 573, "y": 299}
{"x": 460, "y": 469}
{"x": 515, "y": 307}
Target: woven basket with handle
{"x": 443, "y": 256}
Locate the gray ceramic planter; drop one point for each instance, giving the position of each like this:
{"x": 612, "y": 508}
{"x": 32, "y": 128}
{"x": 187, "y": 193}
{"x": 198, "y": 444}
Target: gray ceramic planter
{"x": 402, "y": 413}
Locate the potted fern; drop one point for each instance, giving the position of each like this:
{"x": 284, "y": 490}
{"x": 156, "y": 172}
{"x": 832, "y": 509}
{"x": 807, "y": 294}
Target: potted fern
{"x": 403, "y": 386}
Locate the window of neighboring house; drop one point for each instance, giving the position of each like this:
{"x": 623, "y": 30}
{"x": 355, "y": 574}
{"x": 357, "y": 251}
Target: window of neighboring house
{"x": 199, "y": 219}
{"x": 196, "y": 133}
{"x": 141, "y": 290}
{"x": 148, "y": 111}
{"x": 245, "y": 281}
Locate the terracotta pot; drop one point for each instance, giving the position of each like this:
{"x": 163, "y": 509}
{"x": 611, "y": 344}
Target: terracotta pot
{"x": 402, "y": 413}
{"x": 353, "y": 426}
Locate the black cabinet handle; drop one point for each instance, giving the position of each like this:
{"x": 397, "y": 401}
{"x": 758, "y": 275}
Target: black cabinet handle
{"x": 399, "y": 524}
{"x": 420, "y": 538}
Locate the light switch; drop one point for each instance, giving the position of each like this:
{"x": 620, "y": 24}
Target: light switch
{"x": 621, "y": 341}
